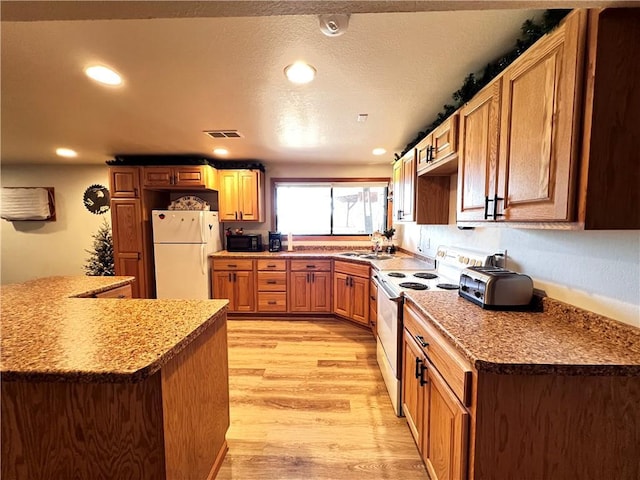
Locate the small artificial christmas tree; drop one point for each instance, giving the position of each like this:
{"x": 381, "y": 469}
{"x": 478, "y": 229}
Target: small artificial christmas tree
{"x": 100, "y": 263}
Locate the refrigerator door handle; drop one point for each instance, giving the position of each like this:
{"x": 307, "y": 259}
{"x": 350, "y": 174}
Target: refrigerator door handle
{"x": 203, "y": 259}
{"x": 203, "y": 236}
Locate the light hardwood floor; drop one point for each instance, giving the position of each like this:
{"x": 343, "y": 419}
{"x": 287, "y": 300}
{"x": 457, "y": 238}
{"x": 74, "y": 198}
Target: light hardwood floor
{"x": 308, "y": 402}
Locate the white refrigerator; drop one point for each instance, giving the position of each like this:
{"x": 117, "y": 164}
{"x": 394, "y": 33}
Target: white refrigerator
{"x": 182, "y": 242}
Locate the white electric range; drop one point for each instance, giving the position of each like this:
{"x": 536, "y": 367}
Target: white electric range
{"x": 392, "y": 284}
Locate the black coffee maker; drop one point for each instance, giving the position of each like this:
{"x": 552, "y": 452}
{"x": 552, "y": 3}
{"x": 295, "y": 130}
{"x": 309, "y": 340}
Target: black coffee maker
{"x": 275, "y": 243}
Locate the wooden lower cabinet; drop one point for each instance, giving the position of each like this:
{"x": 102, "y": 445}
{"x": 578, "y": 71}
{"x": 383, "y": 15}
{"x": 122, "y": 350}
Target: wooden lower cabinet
{"x": 373, "y": 307}
{"x": 438, "y": 421}
{"x": 446, "y": 430}
{"x": 234, "y": 278}
{"x": 502, "y": 426}
{"x": 412, "y": 392}
{"x": 310, "y": 292}
{"x": 272, "y": 290}
{"x": 351, "y": 291}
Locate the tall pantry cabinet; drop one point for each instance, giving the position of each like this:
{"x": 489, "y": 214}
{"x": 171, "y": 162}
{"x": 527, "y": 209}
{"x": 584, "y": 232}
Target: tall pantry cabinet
{"x": 126, "y": 218}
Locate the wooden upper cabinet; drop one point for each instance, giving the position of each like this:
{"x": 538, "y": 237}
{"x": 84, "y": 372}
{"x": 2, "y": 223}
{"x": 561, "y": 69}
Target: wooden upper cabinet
{"x": 124, "y": 182}
{"x": 478, "y": 152}
{"x": 436, "y": 154}
{"x": 404, "y": 175}
{"x": 609, "y": 168}
{"x": 199, "y": 177}
{"x": 539, "y": 128}
{"x": 241, "y": 195}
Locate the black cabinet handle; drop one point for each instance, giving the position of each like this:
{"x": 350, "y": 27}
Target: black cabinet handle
{"x": 495, "y": 207}
{"x": 311, "y": 266}
{"x": 232, "y": 265}
{"x": 486, "y": 207}
{"x": 308, "y": 278}
{"x": 229, "y": 276}
{"x": 346, "y": 281}
{"x": 236, "y": 214}
{"x": 418, "y": 363}
{"x": 420, "y": 340}
{"x": 240, "y": 215}
{"x": 271, "y": 302}
{"x": 313, "y": 277}
{"x": 423, "y": 381}
{"x": 271, "y": 266}
{"x": 271, "y": 282}
{"x": 234, "y": 277}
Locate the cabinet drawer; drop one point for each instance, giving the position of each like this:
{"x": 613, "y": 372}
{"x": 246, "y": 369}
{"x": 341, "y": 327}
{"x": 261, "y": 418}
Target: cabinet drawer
{"x": 311, "y": 265}
{"x": 119, "y": 292}
{"x": 272, "y": 265}
{"x": 357, "y": 269}
{"x": 272, "y": 301}
{"x": 232, "y": 264}
{"x": 272, "y": 281}
{"x": 454, "y": 368}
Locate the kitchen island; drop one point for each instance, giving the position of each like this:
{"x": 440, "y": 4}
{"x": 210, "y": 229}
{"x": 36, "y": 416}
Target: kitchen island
{"x": 108, "y": 387}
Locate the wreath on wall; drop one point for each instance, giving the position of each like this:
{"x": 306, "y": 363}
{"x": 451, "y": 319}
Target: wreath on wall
{"x": 531, "y": 33}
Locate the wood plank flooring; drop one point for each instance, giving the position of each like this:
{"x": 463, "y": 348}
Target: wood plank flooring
{"x": 308, "y": 402}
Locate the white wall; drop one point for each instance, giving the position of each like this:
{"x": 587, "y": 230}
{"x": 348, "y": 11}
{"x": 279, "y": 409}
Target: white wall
{"x": 597, "y": 271}
{"x": 38, "y": 249}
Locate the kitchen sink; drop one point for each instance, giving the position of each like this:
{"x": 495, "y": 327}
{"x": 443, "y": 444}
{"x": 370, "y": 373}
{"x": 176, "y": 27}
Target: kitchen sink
{"x": 373, "y": 256}
{"x": 367, "y": 255}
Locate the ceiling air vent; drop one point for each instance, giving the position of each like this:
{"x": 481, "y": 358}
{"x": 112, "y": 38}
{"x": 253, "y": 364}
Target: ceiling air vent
{"x": 223, "y": 133}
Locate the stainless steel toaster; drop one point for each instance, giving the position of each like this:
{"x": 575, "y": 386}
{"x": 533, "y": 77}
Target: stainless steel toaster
{"x": 496, "y": 288}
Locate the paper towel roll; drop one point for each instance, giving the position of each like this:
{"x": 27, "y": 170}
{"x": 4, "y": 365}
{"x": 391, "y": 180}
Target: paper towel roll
{"x": 290, "y": 241}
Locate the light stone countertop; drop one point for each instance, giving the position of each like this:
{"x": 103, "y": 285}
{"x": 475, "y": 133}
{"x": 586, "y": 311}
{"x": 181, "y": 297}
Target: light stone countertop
{"x": 48, "y": 335}
{"x": 560, "y": 339}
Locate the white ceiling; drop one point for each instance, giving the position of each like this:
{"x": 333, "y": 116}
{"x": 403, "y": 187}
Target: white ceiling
{"x": 186, "y": 75}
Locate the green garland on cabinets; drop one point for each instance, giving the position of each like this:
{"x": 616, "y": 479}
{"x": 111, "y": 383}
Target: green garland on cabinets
{"x": 531, "y": 33}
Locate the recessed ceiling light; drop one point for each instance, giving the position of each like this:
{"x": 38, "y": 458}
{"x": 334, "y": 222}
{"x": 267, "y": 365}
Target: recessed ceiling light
{"x": 300, "y": 72}
{"x": 379, "y": 151}
{"x": 103, "y": 74}
{"x": 66, "y": 152}
{"x": 221, "y": 151}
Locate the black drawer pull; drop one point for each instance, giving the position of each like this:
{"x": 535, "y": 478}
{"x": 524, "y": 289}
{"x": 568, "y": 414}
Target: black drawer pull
{"x": 421, "y": 341}
{"x": 311, "y": 266}
{"x": 272, "y": 302}
{"x": 271, "y": 282}
{"x": 232, "y": 265}
{"x": 271, "y": 266}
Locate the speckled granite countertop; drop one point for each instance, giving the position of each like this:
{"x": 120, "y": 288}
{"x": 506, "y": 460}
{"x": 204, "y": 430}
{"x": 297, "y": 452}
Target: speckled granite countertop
{"x": 398, "y": 261}
{"x": 561, "y": 339}
{"x": 48, "y": 336}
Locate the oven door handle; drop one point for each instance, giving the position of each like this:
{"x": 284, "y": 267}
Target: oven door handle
{"x": 388, "y": 293}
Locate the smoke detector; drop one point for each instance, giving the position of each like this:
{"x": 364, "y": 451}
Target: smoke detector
{"x": 334, "y": 25}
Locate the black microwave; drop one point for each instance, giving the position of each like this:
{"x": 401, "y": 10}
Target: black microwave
{"x": 244, "y": 243}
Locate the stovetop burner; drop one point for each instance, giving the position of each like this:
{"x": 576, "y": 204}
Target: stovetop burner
{"x": 396, "y": 274}
{"x": 413, "y": 285}
{"x": 448, "y": 286}
{"x": 425, "y": 275}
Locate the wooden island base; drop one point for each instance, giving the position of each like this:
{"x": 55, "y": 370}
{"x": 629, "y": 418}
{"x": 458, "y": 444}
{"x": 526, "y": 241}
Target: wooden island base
{"x": 170, "y": 425}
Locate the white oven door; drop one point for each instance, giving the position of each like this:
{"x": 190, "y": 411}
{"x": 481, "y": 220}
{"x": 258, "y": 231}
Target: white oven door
{"x": 387, "y": 349}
